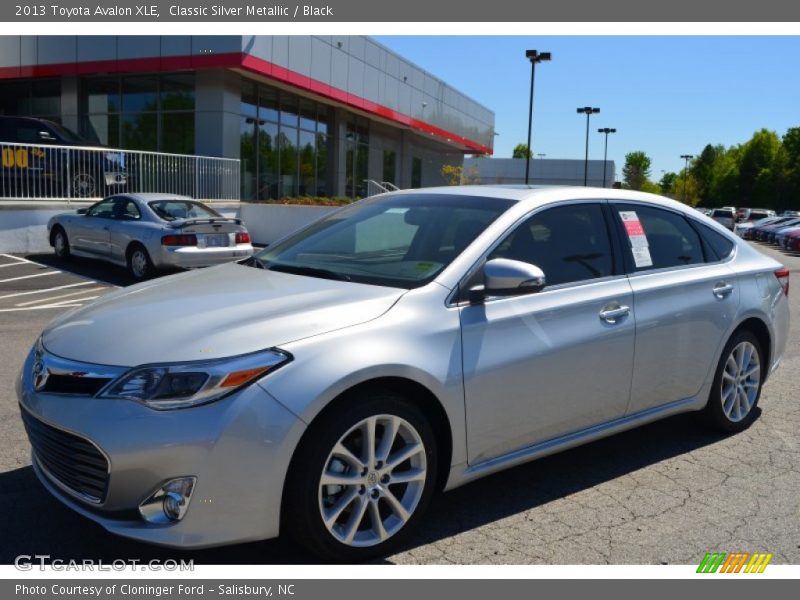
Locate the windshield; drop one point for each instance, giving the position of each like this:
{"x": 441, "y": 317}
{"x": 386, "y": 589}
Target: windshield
{"x": 66, "y": 134}
{"x": 401, "y": 241}
{"x": 171, "y": 210}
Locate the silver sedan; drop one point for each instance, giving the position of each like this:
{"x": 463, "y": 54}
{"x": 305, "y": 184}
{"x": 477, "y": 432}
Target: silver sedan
{"x": 328, "y": 386}
{"x": 145, "y": 232}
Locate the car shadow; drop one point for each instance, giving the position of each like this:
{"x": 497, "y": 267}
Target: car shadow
{"x": 92, "y": 269}
{"x": 33, "y": 522}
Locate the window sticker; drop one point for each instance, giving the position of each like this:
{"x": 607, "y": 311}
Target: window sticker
{"x": 640, "y": 248}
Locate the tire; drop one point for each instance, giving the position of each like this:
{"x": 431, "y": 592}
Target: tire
{"x": 737, "y": 384}
{"x": 60, "y": 243}
{"x": 332, "y": 447}
{"x": 139, "y": 264}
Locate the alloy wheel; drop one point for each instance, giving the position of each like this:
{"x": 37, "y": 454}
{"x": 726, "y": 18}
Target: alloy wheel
{"x": 83, "y": 185}
{"x": 60, "y": 244}
{"x": 372, "y": 481}
{"x": 139, "y": 263}
{"x": 741, "y": 377}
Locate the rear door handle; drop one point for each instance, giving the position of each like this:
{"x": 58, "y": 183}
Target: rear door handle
{"x": 722, "y": 290}
{"x": 612, "y": 314}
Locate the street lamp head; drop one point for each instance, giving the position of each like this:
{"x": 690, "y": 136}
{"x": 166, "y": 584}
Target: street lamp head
{"x": 588, "y": 110}
{"x": 687, "y": 156}
{"x": 535, "y": 56}
{"x": 606, "y": 130}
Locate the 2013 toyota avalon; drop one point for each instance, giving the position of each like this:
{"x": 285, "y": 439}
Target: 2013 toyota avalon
{"x": 328, "y": 386}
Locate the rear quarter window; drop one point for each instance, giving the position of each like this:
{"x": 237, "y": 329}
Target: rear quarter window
{"x": 720, "y": 246}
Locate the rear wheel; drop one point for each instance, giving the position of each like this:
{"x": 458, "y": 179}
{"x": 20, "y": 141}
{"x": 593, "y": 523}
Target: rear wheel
{"x": 362, "y": 479}
{"x": 737, "y": 384}
{"x": 139, "y": 264}
{"x": 60, "y": 243}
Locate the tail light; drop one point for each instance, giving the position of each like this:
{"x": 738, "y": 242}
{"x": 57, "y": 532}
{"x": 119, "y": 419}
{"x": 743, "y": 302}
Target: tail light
{"x": 783, "y": 278}
{"x": 185, "y": 239}
{"x": 242, "y": 237}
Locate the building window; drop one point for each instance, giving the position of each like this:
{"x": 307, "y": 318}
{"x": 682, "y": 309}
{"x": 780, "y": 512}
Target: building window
{"x": 284, "y": 144}
{"x": 357, "y": 159}
{"x": 40, "y": 98}
{"x": 416, "y": 172}
{"x": 389, "y": 162}
{"x": 142, "y": 112}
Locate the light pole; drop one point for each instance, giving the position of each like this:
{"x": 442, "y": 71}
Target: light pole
{"x": 535, "y": 57}
{"x": 687, "y": 158}
{"x": 606, "y": 130}
{"x": 588, "y": 111}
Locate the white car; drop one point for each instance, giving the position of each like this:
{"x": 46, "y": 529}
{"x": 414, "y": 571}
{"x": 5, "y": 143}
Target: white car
{"x": 725, "y": 216}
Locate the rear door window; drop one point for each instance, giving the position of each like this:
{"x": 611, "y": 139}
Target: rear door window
{"x": 658, "y": 238}
{"x": 718, "y": 247}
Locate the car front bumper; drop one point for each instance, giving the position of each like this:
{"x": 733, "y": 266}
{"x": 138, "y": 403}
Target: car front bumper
{"x": 190, "y": 257}
{"x": 238, "y": 448}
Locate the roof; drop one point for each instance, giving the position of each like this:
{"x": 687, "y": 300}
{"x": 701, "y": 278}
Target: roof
{"x": 543, "y": 194}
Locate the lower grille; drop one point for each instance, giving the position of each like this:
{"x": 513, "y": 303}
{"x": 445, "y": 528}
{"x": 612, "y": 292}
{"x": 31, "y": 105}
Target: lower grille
{"x": 71, "y": 460}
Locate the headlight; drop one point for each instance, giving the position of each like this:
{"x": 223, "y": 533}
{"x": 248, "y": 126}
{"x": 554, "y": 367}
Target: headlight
{"x": 181, "y": 385}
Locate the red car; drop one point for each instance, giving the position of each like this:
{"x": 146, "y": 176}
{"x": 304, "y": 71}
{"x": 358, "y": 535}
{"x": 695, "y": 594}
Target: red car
{"x": 792, "y": 241}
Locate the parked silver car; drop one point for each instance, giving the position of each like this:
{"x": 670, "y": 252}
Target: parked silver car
{"x": 329, "y": 385}
{"x": 144, "y": 232}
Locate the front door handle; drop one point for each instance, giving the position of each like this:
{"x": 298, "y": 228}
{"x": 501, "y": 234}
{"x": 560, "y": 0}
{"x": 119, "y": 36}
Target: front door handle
{"x": 722, "y": 290}
{"x": 612, "y": 314}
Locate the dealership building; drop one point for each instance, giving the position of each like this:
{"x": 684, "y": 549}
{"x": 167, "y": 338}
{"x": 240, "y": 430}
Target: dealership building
{"x": 307, "y": 115}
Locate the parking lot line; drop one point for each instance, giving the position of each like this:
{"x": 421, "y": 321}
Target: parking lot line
{"x": 18, "y": 258}
{"x": 30, "y": 276}
{"x": 45, "y": 290}
{"x": 51, "y": 298}
{"x": 14, "y": 264}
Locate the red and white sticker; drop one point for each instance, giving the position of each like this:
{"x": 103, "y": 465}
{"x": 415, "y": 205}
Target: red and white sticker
{"x": 640, "y": 248}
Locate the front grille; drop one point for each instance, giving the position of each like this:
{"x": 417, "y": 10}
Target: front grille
{"x": 67, "y": 384}
{"x": 72, "y": 460}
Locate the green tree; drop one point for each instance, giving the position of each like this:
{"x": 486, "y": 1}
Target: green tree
{"x": 667, "y": 182}
{"x": 759, "y": 181}
{"x": 686, "y": 189}
{"x": 521, "y": 151}
{"x": 636, "y": 170}
{"x": 452, "y": 174}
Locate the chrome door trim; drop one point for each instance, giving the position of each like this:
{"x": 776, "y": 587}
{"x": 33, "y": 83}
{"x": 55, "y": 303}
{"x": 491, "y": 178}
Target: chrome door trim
{"x": 575, "y": 438}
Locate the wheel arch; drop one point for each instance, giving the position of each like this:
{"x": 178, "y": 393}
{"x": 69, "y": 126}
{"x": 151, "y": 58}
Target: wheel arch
{"x": 417, "y": 394}
{"x": 759, "y": 328}
{"x": 53, "y": 230}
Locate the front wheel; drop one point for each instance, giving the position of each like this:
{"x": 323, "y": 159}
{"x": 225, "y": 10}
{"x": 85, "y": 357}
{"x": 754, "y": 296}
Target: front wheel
{"x": 362, "y": 478}
{"x": 60, "y": 244}
{"x": 737, "y": 384}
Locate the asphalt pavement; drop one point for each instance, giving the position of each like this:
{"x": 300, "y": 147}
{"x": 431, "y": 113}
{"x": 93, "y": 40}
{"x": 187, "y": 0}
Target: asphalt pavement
{"x": 666, "y": 493}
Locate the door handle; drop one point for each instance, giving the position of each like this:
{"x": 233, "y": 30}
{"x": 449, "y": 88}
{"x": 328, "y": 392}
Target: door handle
{"x": 722, "y": 290}
{"x": 610, "y": 315}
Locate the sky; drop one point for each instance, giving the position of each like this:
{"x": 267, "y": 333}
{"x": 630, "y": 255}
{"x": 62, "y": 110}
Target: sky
{"x": 665, "y": 95}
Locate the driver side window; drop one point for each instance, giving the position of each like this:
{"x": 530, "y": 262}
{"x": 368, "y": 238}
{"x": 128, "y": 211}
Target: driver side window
{"x": 569, "y": 243}
{"x": 103, "y": 209}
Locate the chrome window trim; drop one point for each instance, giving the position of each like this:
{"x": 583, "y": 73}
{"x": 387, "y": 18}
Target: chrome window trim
{"x": 690, "y": 219}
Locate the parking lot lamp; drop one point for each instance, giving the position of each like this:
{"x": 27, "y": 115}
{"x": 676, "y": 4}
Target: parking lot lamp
{"x": 588, "y": 111}
{"x": 535, "y": 57}
{"x": 606, "y": 130}
{"x": 687, "y": 158}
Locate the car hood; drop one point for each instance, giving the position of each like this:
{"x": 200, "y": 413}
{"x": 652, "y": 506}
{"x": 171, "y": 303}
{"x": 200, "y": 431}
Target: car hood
{"x": 211, "y": 313}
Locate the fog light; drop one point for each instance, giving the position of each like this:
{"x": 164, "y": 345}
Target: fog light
{"x": 169, "y": 503}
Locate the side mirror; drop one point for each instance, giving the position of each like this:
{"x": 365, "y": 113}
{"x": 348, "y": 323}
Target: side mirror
{"x": 82, "y": 211}
{"x": 505, "y": 277}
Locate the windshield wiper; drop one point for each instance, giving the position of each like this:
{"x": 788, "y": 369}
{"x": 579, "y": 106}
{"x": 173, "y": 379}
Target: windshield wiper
{"x": 253, "y": 262}
{"x": 310, "y": 271}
